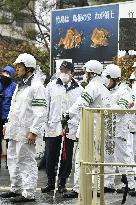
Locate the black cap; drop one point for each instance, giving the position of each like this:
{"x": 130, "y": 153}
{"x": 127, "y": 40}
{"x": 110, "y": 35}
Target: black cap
{"x": 67, "y": 65}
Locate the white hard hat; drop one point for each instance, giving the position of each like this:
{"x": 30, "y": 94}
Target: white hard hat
{"x": 28, "y": 60}
{"x": 114, "y": 71}
{"x": 106, "y": 71}
{"x": 134, "y": 65}
{"x": 94, "y": 66}
{"x": 132, "y": 77}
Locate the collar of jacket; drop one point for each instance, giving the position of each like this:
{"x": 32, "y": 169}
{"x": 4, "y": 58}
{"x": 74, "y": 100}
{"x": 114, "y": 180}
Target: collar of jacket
{"x": 26, "y": 82}
{"x": 73, "y": 85}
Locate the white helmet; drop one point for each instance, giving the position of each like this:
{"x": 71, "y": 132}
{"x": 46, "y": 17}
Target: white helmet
{"x": 114, "y": 71}
{"x": 94, "y": 66}
{"x": 134, "y": 65}
{"x": 28, "y": 60}
{"x": 106, "y": 71}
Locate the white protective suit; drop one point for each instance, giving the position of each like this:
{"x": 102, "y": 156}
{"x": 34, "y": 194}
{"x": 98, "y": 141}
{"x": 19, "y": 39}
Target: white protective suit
{"x": 120, "y": 98}
{"x": 60, "y": 102}
{"x": 27, "y": 114}
{"x": 95, "y": 95}
{"x": 132, "y": 124}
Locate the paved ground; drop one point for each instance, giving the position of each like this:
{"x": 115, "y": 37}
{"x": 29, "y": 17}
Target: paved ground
{"x": 46, "y": 199}
{"x": 41, "y": 199}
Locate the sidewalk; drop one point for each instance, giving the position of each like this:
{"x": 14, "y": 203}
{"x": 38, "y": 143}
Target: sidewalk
{"x": 46, "y": 199}
{"x": 41, "y": 199}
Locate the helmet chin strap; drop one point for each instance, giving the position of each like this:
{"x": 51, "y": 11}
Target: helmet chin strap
{"x": 115, "y": 83}
{"x": 90, "y": 76}
{"x": 27, "y": 71}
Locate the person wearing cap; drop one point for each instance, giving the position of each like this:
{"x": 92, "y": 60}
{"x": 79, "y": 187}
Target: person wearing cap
{"x": 7, "y": 87}
{"x": 25, "y": 120}
{"x": 132, "y": 123}
{"x": 61, "y": 94}
{"x": 95, "y": 95}
{"x": 121, "y": 98}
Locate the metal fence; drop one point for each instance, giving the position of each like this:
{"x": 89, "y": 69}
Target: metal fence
{"x": 92, "y": 129}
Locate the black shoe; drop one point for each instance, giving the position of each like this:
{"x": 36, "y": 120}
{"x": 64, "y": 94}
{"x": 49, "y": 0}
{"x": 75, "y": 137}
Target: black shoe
{"x": 62, "y": 185}
{"x": 20, "y": 199}
{"x": 9, "y": 194}
{"x": 121, "y": 190}
{"x": 132, "y": 192}
{"x": 62, "y": 189}
{"x": 49, "y": 187}
{"x": 72, "y": 194}
{"x": 109, "y": 190}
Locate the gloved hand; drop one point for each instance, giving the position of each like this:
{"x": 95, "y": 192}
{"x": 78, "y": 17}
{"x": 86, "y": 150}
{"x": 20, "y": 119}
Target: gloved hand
{"x": 64, "y": 122}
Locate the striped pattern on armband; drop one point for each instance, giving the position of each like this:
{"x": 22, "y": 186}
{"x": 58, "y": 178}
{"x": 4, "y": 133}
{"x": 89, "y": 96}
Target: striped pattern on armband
{"x": 87, "y": 97}
{"x": 133, "y": 98}
{"x": 39, "y": 102}
{"x": 123, "y": 102}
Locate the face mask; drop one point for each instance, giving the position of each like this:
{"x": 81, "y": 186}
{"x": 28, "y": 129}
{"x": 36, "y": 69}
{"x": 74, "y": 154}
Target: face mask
{"x": 106, "y": 81}
{"x": 6, "y": 81}
{"x": 64, "y": 77}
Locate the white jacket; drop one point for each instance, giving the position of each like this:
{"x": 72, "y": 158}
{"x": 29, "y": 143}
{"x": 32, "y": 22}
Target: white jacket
{"x": 28, "y": 110}
{"x": 121, "y": 96}
{"x": 132, "y": 124}
{"x": 59, "y": 102}
{"x": 95, "y": 95}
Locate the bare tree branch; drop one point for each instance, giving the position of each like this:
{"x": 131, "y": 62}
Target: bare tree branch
{"x": 40, "y": 29}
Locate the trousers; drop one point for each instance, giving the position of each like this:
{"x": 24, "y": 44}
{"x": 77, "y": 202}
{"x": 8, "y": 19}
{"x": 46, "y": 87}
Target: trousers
{"x": 22, "y": 168}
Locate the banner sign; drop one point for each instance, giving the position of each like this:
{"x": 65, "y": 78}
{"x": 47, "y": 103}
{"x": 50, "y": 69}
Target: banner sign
{"x": 85, "y": 33}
